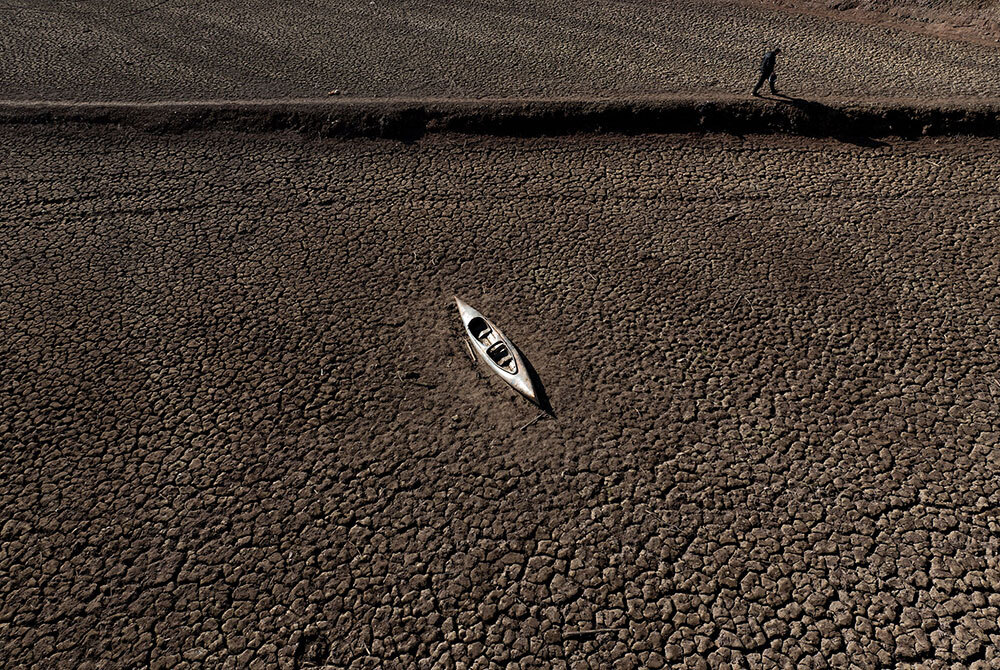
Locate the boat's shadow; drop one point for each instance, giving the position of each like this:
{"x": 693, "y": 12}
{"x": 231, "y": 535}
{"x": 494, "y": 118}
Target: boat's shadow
{"x": 541, "y": 396}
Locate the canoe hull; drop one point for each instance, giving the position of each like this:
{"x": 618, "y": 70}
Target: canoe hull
{"x": 495, "y": 350}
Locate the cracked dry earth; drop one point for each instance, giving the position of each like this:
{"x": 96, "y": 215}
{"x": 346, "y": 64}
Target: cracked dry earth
{"x": 240, "y": 428}
{"x": 196, "y": 49}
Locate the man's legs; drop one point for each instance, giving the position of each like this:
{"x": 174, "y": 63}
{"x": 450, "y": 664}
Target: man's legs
{"x": 760, "y": 82}
{"x": 773, "y": 78}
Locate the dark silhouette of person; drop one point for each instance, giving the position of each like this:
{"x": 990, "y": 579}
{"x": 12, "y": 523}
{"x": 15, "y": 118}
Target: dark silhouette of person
{"x": 767, "y": 70}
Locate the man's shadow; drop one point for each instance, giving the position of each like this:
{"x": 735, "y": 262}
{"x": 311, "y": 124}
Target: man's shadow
{"x": 831, "y": 116}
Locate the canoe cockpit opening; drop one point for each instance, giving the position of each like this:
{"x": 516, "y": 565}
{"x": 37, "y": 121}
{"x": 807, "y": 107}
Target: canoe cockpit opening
{"x": 500, "y": 354}
{"x": 480, "y": 329}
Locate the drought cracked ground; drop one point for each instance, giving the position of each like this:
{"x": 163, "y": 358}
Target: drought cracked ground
{"x": 240, "y": 428}
{"x": 184, "y": 49}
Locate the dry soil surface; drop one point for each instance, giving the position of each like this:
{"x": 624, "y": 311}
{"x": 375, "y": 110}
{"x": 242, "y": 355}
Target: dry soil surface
{"x": 241, "y": 429}
{"x": 177, "y": 49}
{"x": 966, "y": 20}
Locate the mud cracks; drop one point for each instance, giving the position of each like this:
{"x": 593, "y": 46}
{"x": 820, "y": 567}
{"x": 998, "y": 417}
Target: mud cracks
{"x": 773, "y": 363}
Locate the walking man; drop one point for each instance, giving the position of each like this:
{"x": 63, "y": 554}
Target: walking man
{"x": 767, "y": 71}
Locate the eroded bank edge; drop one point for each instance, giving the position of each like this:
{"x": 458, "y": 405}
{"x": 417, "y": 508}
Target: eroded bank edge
{"x": 521, "y": 118}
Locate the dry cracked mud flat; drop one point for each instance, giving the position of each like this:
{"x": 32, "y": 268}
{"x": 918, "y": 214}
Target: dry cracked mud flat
{"x": 186, "y": 49}
{"x": 240, "y": 428}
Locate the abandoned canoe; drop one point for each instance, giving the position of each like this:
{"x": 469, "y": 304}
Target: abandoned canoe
{"x": 499, "y": 354}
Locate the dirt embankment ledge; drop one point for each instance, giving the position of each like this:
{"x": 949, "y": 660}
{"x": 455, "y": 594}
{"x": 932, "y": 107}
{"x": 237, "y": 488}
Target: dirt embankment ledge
{"x": 413, "y": 118}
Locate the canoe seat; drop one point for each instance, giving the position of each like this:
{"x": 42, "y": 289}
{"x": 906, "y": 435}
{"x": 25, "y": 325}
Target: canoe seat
{"x": 500, "y": 354}
{"x": 480, "y": 329}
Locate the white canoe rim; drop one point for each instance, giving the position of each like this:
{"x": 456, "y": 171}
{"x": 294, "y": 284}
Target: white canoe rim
{"x": 496, "y": 350}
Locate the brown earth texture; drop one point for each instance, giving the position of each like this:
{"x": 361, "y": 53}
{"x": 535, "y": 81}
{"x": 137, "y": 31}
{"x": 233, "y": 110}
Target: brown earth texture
{"x": 240, "y": 428}
{"x": 239, "y": 425}
{"x": 252, "y": 49}
{"x": 964, "y": 20}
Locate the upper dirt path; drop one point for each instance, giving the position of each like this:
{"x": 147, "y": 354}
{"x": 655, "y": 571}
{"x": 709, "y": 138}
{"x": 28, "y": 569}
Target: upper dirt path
{"x": 154, "y": 50}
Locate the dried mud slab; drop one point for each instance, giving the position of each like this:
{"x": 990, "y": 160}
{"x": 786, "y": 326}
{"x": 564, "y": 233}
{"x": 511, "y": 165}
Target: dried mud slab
{"x": 240, "y": 428}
